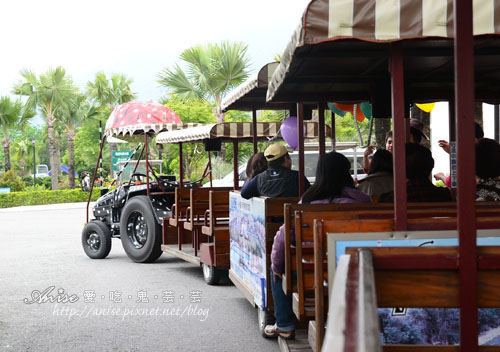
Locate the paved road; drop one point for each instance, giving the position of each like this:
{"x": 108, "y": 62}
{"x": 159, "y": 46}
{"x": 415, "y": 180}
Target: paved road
{"x": 40, "y": 249}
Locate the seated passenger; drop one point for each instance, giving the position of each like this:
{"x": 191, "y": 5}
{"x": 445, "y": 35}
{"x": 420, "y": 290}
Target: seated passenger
{"x": 416, "y": 136}
{"x": 255, "y": 165}
{"x": 419, "y": 164}
{"x": 488, "y": 170}
{"x": 279, "y": 180}
{"x": 478, "y": 134}
{"x": 379, "y": 179}
{"x": 333, "y": 184}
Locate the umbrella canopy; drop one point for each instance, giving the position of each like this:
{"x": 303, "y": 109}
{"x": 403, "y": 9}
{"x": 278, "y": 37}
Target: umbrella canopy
{"x": 140, "y": 117}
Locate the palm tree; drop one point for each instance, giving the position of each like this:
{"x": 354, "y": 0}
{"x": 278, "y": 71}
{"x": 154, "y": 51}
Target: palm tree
{"x": 50, "y": 93}
{"x": 109, "y": 94}
{"x": 212, "y": 71}
{"x": 12, "y": 114}
{"x": 79, "y": 111}
{"x": 23, "y": 150}
{"x": 112, "y": 92}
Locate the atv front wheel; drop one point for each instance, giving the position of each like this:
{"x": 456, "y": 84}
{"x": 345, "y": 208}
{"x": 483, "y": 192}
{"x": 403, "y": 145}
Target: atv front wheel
{"x": 96, "y": 239}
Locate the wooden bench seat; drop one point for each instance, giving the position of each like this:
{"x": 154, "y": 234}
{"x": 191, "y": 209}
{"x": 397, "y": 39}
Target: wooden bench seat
{"x": 391, "y": 296}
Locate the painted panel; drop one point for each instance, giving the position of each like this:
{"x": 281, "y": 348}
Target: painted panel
{"x": 248, "y": 244}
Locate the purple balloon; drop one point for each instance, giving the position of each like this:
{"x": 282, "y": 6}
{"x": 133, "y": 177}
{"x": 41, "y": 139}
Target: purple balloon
{"x": 289, "y": 131}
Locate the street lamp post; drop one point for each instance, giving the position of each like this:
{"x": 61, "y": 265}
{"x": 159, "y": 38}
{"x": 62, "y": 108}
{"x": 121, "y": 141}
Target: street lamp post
{"x": 34, "y": 163}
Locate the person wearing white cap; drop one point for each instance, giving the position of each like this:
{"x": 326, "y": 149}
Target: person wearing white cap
{"x": 279, "y": 180}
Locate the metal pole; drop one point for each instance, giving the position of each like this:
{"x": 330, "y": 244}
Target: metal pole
{"x": 254, "y": 128}
{"x": 321, "y": 128}
{"x": 399, "y": 137}
{"x": 497, "y": 118}
{"x": 466, "y": 189}
{"x": 181, "y": 169}
{"x": 333, "y": 130}
{"x": 210, "y": 165}
{"x": 300, "y": 132}
{"x": 34, "y": 163}
{"x": 235, "y": 165}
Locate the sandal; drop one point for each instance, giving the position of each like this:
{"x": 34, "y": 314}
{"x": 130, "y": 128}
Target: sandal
{"x": 272, "y": 331}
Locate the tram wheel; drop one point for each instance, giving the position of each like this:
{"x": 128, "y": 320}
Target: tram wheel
{"x": 211, "y": 274}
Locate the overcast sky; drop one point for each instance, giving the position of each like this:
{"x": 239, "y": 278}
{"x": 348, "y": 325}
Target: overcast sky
{"x": 136, "y": 38}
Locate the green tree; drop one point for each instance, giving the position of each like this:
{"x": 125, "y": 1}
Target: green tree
{"x": 212, "y": 71}
{"x": 108, "y": 93}
{"x": 12, "y": 114}
{"x": 51, "y": 93}
{"x": 11, "y": 180}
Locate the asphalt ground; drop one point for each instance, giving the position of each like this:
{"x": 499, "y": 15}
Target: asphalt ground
{"x": 111, "y": 304}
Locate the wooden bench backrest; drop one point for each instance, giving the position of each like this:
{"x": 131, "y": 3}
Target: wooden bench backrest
{"x": 309, "y": 212}
{"x": 218, "y": 206}
{"x": 182, "y": 201}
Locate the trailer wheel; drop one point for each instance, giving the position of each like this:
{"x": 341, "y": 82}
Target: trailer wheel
{"x": 96, "y": 239}
{"x": 211, "y": 274}
{"x": 265, "y": 318}
{"x": 139, "y": 231}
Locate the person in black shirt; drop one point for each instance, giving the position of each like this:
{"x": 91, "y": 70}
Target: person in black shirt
{"x": 279, "y": 180}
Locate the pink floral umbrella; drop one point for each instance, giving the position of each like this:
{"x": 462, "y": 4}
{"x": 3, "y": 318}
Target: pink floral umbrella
{"x": 140, "y": 117}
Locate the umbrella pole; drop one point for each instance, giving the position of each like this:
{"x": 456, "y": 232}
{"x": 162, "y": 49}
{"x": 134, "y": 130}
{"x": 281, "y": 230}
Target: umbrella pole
{"x": 147, "y": 164}
{"x": 100, "y": 159}
{"x": 93, "y": 177}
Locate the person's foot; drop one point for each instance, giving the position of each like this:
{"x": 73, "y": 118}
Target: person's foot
{"x": 272, "y": 331}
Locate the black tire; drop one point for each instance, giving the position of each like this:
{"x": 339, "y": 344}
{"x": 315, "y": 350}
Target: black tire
{"x": 211, "y": 274}
{"x": 139, "y": 231}
{"x": 264, "y": 317}
{"x": 96, "y": 240}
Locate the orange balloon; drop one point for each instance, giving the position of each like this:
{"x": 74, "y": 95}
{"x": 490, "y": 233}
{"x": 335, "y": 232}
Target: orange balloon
{"x": 359, "y": 114}
{"x": 345, "y": 107}
{"x": 350, "y": 108}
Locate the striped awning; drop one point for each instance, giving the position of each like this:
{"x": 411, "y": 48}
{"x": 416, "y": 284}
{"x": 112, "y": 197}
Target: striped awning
{"x": 140, "y": 129}
{"x": 345, "y": 42}
{"x": 233, "y": 130}
{"x": 252, "y": 93}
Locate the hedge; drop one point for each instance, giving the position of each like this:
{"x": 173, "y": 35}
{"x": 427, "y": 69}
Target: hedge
{"x": 16, "y": 199}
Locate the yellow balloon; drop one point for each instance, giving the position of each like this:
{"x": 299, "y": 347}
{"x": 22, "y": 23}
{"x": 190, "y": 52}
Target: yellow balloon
{"x": 426, "y": 107}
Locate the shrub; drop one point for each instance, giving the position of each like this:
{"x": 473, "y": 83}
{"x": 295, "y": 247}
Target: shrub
{"x": 16, "y": 199}
{"x": 11, "y": 180}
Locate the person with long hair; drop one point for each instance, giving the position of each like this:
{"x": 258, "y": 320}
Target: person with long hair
{"x": 379, "y": 179}
{"x": 333, "y": 184}
{"x": 255, "y": 165}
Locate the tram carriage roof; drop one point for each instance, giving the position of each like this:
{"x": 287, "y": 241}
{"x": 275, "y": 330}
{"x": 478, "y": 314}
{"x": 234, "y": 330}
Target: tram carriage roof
{"x": 229, "y": 131}
{"x": 340, "y": 51}
{"x": 251, "y": 94}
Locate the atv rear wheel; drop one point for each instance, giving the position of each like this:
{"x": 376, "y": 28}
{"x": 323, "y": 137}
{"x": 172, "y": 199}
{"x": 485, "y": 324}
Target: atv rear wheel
{"x": 139, "y": 231}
